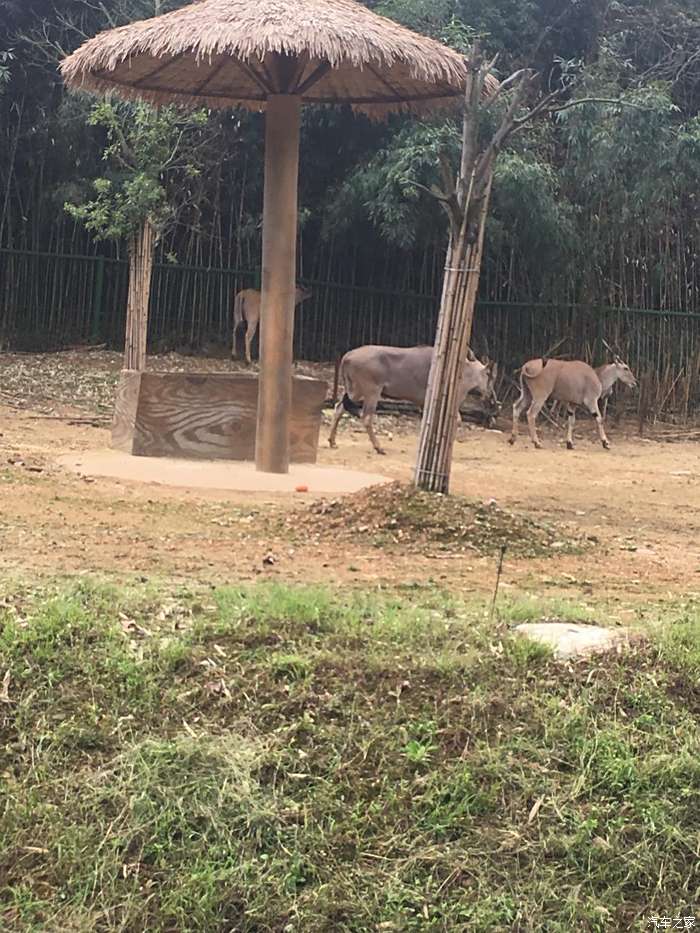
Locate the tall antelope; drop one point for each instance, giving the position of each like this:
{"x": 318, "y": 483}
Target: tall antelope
{"x": 401, "y": 373}
{"x": 246, "y": 310}
{"x": 570, "y": 381}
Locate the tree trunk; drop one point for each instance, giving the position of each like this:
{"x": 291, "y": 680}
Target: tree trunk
{"x": 142, "y": 247}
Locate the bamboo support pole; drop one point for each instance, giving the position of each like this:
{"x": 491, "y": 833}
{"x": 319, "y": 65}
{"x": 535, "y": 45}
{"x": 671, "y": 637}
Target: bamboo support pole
{"x": 141, "y": 250}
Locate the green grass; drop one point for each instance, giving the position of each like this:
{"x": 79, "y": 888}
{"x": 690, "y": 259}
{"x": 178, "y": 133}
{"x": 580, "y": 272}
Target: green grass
{"x": 533, "y": 609}
{"x": 299, "y": 759}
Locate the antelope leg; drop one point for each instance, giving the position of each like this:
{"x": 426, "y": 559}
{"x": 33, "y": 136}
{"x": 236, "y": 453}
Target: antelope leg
{"x": 532, "y": 413}
{"x": 518, "y": 409}
{"x": 337, "y": 415}
{"x": 595, "y": 411}
{"x": 368, "y": 421}
{"x": 571, "y": 420}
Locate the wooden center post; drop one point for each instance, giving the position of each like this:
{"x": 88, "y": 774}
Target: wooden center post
{"x": 283, "y": 119}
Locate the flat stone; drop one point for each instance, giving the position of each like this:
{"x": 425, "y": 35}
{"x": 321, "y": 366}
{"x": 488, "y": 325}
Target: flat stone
{"x": 571, "y": 640}
{"x": 222, "y": 475}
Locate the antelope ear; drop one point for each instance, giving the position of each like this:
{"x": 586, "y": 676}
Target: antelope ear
{"x": 470, "y": 355}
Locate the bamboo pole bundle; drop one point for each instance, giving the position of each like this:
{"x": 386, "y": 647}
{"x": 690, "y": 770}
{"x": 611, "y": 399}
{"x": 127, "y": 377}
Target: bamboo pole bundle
{"x": 141, "y": 248}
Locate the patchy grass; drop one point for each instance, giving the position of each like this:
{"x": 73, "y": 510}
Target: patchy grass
{"x": 398, "y": 516}
{"x": 529, "y": 608}
{"x": 275, "y": 758}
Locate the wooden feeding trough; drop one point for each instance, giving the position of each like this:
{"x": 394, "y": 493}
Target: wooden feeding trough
{"x": 207, "y": 416}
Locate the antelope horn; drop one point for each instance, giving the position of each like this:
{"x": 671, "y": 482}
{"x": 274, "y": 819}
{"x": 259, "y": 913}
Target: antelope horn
{"x": 615, "y": 354}
{"x": 556, "y": 346}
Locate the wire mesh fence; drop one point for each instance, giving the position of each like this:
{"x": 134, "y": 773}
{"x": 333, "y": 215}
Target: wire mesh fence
{"x": 48, "y": 301}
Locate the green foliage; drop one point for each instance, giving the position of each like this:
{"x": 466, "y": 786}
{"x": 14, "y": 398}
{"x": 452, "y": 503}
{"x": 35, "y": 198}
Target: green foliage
{"x": 6, "y": 59}
{"x": 144, "y": 146}
{"x": 611, "y": 144}
{"x": 657, "y": 41}
{"x": 385, "y": 190}
{"x": 509, "y": 27}
{"x": 528, "y": 208}
{"x": 119, "y": 211}
{"x": 617, "y": 191}
{"x": 437, "y": 18}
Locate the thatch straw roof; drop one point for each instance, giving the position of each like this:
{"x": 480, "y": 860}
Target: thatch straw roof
{"x": 223, "y": 53}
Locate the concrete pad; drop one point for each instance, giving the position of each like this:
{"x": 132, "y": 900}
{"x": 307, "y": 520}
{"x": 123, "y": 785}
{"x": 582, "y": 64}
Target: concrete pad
{"x": 225, "y": 475}
{"x": 570, "y": 640}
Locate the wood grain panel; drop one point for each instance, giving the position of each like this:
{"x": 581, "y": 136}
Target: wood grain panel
{"x": 308, "y": 397}
{"x": 125, "y": 405}
{"x": 208, "y": 416}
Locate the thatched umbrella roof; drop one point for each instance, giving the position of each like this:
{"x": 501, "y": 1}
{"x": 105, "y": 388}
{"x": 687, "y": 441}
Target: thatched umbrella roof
{"x": 216, "y": 53}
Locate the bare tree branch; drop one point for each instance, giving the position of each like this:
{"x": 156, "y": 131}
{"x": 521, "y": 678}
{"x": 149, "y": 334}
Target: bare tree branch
{"x": 540, "y": 107}
{"x": 618, "y": 102}
{"x": 504, "y": 85}
{"x": 433, "y": 191}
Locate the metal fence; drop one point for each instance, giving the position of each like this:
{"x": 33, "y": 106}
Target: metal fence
{"x": 51, "y": 300}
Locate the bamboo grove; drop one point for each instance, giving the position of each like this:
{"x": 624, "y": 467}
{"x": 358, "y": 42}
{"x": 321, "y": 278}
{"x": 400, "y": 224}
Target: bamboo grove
{"x": 594, "y": 228}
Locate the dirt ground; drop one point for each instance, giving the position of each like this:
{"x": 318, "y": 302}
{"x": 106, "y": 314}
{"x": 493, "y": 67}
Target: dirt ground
{"x": 640, "y": 502}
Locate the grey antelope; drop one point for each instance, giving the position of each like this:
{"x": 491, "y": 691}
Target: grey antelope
{"x": 603, "y": 401}
{"x": 372, "y": 372}
{"x": 246, "y": 310}
{"x": 570, "y": 381}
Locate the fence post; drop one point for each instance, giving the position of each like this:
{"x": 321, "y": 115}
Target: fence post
{"x": 600, "y": 332}
{"x": 98, "y": 299}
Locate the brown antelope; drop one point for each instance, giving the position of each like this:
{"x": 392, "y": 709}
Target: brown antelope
{"x": 246, "y": 310}
{"x": 570, "y": 381}
{"x": 401, "y": 373}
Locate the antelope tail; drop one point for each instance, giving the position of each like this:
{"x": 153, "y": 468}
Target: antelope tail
{"x": 352, "y": 407}
{"x": 532, "y": 369}
{"x": 349, "y": 404}
{"x": 336, "y": 379}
